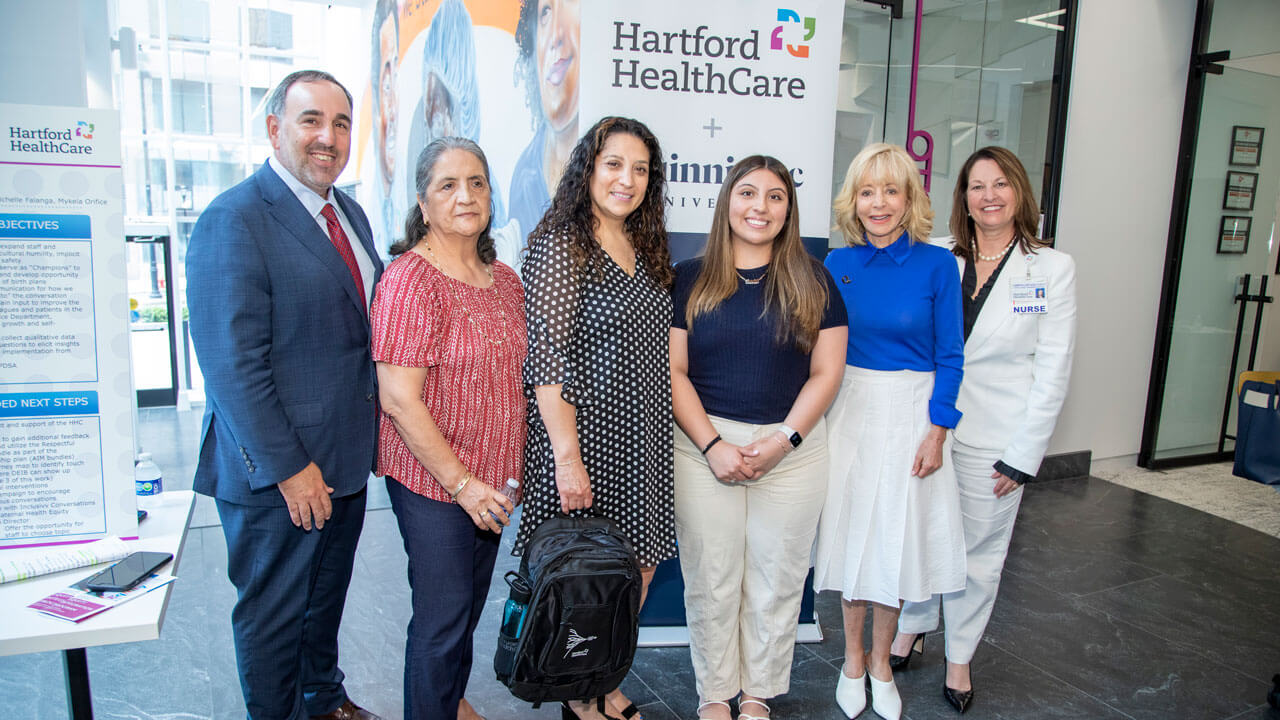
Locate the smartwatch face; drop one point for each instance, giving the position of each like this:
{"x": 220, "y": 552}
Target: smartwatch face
{"x": 795, "y": 439}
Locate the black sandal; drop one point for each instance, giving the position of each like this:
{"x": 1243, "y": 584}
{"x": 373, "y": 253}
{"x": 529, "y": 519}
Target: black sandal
{"x": 567, "y": 713}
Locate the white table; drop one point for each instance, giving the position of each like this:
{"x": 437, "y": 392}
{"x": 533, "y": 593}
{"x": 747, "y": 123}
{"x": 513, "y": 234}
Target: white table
{"x": 26, "y": 631}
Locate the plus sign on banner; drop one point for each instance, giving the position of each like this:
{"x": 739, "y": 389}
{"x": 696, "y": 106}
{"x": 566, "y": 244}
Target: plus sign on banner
{"x": 717, "y": 81}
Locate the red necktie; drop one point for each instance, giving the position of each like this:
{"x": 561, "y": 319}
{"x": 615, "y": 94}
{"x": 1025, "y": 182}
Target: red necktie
{"x": 340, "y": 241}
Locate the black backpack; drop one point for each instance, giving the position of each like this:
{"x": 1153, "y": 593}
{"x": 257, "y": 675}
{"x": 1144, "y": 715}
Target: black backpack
{"x": 578, "y": 634}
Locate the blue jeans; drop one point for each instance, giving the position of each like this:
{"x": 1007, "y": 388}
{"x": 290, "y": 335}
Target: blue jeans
{"x": 450, "y": 566}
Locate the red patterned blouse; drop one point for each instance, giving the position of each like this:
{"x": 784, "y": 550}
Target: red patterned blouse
{"x": 472, "y": 342}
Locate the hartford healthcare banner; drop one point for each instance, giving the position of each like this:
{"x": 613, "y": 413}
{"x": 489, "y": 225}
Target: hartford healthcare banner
{"x": 66, "y": 418}
{"x": 716, "y": 82}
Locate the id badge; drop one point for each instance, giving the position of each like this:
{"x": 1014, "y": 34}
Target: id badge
{"x": 1030, "y": 296}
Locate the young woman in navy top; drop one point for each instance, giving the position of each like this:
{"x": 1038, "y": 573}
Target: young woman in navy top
{"x": 757, "y": 348}
{"x": 890, "y": 529}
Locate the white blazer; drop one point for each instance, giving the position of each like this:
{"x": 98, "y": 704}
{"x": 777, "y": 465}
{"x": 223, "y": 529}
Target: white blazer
{"x": 1016, "y": 367}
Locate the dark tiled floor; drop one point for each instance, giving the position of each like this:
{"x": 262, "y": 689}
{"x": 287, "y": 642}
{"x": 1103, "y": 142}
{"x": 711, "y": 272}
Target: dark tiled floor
{"x": 1115, "y": 604}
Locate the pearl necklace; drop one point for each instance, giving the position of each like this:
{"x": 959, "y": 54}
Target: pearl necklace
{"x": 997, "y": 256}
{"x": 493, "y": 284}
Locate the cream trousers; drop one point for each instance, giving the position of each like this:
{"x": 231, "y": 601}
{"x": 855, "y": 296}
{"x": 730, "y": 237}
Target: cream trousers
{"x": 744, "y": 553}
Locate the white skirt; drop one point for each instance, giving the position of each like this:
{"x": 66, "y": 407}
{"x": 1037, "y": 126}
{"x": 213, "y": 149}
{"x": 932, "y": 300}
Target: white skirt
{"x": 885, "y": 535}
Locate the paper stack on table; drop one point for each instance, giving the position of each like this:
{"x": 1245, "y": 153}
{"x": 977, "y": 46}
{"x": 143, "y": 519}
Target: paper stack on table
{"x": 20, "y": 564}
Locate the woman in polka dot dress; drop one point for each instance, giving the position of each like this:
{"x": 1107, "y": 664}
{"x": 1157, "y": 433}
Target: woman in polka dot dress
{"x": 598, "y": 374}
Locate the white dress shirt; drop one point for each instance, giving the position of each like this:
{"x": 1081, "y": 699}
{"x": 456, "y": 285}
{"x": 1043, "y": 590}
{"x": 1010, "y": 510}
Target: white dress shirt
{"x": 314, "y": 204}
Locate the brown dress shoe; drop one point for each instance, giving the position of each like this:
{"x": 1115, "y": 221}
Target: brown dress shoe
{"x": 347, "y": 711}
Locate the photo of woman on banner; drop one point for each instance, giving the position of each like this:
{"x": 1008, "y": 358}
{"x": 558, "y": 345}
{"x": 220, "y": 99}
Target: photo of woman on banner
{"x": 547, "y": 35}
{"x": 450, "y": 105}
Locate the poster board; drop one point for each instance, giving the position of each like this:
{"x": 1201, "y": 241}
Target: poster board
{"x": 715, "y": 86}
{"x": 66, "y": 398}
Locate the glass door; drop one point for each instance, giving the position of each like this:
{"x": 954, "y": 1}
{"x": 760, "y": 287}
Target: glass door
{"x": 1209, "y": 329}
{"x": 973, "y": 73}
{"x": 151, "y": 320}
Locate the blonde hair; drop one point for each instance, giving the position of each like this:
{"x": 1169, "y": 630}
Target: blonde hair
{"x": 794, "y": 288}
{"x": 883, "y": 164}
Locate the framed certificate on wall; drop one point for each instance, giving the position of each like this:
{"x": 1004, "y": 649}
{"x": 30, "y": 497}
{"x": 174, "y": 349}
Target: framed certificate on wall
{"x": 1246, "y": 145}
{"x": 1240, "y": 190}
{"x": 1233, "y": 236}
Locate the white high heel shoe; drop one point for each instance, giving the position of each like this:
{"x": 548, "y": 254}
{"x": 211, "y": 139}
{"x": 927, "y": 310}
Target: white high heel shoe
{"x": 851, "y": 694}
{"x": 885, "y": 700}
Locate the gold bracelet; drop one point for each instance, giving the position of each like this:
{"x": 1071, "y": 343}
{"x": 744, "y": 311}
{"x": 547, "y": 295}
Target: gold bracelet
{"x": 569, "y": 462}
{"x": 466, "y": 478}
{"x": 786, "y": 446}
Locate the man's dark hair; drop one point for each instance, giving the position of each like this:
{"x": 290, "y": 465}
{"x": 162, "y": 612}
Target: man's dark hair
{"x": 275, "y": 104}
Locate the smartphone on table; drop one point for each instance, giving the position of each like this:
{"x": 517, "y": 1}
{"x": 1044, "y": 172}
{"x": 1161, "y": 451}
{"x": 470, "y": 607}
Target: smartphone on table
{"x": 127, "y": 573}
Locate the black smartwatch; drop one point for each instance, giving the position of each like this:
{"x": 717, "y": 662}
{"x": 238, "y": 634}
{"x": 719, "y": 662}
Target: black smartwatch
{"x": 791, "y": 435}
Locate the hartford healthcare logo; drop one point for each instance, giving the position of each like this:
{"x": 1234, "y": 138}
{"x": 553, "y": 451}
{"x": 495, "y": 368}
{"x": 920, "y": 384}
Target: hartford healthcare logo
{"x": 786, "y": 16}
{"x": 52, "y": 141}
{"x": 707, "y": 60}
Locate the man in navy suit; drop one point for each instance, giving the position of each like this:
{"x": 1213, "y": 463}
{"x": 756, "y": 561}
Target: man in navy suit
{"x": 280, "y": 273}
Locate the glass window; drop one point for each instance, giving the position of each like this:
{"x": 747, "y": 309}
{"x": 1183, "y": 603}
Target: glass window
{"x": 152, "y": 104}
{"x": 225, "y": 108}
{"x": 270, "y": 29}
{"x": 985, "y": 78}
{"x": 257, "y": 113}
{"x": 188, "y": 20}
{"x": 190, "y": 106}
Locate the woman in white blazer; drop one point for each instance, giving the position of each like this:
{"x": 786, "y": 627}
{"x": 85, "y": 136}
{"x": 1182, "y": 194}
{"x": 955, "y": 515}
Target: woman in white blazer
{"x": 1020, "y": 320}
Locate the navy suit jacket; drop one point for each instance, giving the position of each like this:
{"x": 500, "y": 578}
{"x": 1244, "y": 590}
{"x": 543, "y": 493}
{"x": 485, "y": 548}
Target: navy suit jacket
{"x": 282, "y": 338}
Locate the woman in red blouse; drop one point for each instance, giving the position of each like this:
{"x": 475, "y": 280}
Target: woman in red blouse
{"x": 449, "y": 341}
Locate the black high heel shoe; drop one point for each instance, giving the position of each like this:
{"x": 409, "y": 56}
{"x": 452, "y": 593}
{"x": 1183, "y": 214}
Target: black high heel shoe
{"x": 957, "y": 699}
{"x": 567, "y": 713}
{"x": 900, "y": 662}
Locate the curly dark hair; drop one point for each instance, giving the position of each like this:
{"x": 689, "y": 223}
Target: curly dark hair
{"x": 570, "y": 213}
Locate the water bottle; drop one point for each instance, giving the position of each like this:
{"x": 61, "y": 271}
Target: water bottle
{"x": 146, "y": 476}
{"x": 517, "y": 603}
{"x": 511, "y": 490}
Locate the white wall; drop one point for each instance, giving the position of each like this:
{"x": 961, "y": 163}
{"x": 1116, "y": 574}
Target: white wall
{"x": 1128, "y": 82}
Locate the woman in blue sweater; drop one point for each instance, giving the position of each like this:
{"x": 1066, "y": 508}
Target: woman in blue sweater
{"x": 757, "y": 350}
{"x": 890, "y": 529}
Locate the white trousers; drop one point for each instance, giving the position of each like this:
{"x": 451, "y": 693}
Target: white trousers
{"x": 744, "y": 553}
{"x": 988, "y": 527}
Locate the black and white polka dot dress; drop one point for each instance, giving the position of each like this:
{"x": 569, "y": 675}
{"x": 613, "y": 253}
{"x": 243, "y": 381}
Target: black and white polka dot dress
{"x": 605, "y": 341}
